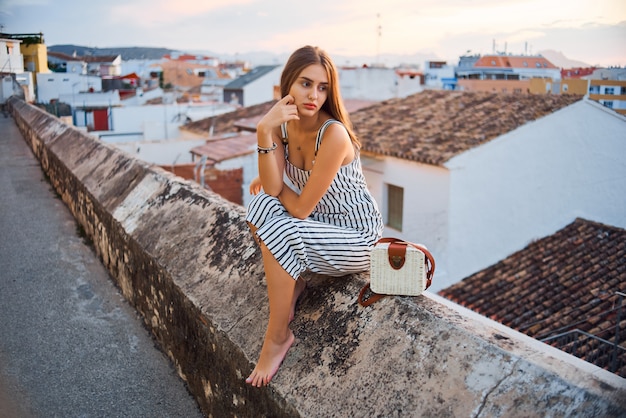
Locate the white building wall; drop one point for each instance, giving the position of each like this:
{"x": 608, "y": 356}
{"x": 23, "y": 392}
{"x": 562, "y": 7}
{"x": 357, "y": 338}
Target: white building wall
{"x": 11, "y": 59}
{"x": 158, "y": 152}
{"x": 76, "y": 67}
{"x": 50, "y": 86}
{"x": 376, "y": 84}
{"x": 533, "y": 181}
{"x": 433, "y": 76}
{"x": 426, "y": 201}
{"x": 91, "y": 100}
{"x": 157, "y": 122}
{"x": 261, "y": 90}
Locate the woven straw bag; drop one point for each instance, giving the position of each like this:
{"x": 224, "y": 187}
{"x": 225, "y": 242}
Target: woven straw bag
{"x": 398, "y": 267}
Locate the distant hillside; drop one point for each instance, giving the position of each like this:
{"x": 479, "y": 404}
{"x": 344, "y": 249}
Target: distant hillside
{"x": 126, "y": 53}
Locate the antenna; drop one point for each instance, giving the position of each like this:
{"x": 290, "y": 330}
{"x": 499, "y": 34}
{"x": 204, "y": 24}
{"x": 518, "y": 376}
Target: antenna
{"x": 379, "y": 33}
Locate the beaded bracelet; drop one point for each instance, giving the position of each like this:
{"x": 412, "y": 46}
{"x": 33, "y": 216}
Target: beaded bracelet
{"x": 262, "y": 150}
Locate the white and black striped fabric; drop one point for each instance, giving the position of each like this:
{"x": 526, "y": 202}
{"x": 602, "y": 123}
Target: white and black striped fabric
{"x": 336, "y": 239}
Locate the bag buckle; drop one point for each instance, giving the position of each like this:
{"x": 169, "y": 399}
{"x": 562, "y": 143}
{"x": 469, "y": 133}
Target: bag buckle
{"x": 396, "y": 261}
{"x": 396, "y": 253}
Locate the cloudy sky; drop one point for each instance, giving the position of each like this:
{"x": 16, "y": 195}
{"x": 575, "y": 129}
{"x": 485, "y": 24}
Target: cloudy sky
{"x": 592, "y": 31}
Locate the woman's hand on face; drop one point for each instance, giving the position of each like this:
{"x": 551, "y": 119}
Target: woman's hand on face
{"x": 255, "y": 185}
{"x": 283, "y": 111}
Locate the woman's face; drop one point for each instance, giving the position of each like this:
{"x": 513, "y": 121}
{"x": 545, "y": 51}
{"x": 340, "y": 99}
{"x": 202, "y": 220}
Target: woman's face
{"x": 310, "y": 90}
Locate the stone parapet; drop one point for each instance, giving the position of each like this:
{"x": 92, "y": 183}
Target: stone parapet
{"x": 184, "y": 258}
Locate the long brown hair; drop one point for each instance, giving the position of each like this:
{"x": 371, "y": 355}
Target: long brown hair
{"x": 308, "y": 55}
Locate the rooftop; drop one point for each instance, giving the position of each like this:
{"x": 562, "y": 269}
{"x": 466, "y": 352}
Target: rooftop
{"x": 513, "y": 61}
{"x": 562, "y": 282}
{"x": 433, "y": 126}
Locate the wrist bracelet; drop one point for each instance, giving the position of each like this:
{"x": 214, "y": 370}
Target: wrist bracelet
{"x": 262, "y": 150}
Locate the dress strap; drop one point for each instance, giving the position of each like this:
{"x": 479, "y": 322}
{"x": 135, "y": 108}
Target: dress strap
{"x": 320, "y": 133}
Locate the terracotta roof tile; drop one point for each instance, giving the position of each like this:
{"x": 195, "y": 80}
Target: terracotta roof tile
{"x": 435, "y": 125}
{"x": 513, "y": 61}
{"x": 227, "y": 122}
{"x": 220, "y": 149}
{"x": 559, "y": 283}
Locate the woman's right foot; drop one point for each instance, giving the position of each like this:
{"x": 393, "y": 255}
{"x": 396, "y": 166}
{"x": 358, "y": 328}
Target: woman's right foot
{"x": 272, "y": 355}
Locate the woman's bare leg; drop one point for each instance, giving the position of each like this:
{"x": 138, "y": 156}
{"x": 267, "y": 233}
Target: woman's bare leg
{"x": 278, "y": 336}
{"x": 300, "y": 286}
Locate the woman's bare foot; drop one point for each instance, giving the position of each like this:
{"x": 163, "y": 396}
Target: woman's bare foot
{"x": 272, "y": 355}
{"x": 300, "y": 286}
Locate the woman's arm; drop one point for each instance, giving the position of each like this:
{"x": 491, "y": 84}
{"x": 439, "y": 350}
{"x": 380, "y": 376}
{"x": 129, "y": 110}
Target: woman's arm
{"x": 272, "y": 164}
{"x": 336, "y": 150}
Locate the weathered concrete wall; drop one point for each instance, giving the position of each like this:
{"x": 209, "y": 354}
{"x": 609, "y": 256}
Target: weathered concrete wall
{"x": 184, "y": 258}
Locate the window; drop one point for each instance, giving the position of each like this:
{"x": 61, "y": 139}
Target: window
{"x": 564, "y": 88}
{"x": 395, "y": 202}
{"x": 608, "y": 104}
{"x": 609, "y": 90}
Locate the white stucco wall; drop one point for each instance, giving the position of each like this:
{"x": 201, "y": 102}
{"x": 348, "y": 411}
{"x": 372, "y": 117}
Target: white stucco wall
{"x": 533, "y": 181}
{"x": 160, "y": 152}
{"x": 376, "y": 84}
{"x": 262, "y": 90}
{"x": 11, "y": 59}
{"x": 53, "y": 85}
{"x": 426, "y": 201}
{"x": 158, "y": 122}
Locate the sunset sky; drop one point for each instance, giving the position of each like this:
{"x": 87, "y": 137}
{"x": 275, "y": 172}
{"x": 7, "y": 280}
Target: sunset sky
{"x": 590, "y": 31}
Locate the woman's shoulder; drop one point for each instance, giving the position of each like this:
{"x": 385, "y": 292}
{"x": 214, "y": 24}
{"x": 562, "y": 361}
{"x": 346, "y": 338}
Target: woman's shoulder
{"x": 332, "y": 125}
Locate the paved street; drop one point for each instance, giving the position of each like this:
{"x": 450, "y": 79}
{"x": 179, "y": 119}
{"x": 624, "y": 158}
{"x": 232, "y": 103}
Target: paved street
{"x": 70, "y": 345}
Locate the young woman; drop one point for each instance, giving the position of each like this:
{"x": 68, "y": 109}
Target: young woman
{"x": 312, "y": 210}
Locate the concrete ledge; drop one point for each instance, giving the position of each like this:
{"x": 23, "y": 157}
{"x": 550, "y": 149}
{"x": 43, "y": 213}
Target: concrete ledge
{"x": 185, "y": 259}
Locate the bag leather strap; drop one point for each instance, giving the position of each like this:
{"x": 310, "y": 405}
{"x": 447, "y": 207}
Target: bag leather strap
{"x": 397, "y": 253}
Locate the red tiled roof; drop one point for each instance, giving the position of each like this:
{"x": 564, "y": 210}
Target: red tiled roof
{"x": 435, "y": 125}
{"x": 227, "y": 122}
{"x": 513, "y": 61}
{"x": 217, "y": 150}
{"x": 577, "y": 72}
{"x": 562, "y": 282}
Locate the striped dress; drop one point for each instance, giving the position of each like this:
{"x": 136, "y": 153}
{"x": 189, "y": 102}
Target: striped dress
{"x": 336, "y": 239}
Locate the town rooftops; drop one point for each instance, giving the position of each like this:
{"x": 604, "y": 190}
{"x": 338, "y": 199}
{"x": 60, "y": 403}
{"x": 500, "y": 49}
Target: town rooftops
{"x": 433, "y": 126}
{"x": 429, "y": 127}
{"x": 556, "y": 284}
{"x": 246, "y": 118}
